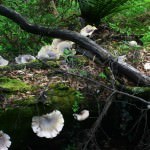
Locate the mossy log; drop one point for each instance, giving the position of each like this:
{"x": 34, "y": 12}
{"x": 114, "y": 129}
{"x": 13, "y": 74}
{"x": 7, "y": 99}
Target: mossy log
{"x": 143, "y": 92}
{"x": 16, "y": 116}
{"x": 37, "y": 64}
{"x": 34, "y": 64}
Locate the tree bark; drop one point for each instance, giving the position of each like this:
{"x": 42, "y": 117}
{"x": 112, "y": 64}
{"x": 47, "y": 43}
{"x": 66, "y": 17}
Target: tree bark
{"x": 99, "y": 52}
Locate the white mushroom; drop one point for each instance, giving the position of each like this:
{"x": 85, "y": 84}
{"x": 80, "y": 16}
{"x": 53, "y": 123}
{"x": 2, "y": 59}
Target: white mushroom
{"x": 3, "y": 62}
{"x": 4, "y": 141}
{"x": 148, "y": 106}
{"x": 55, "y": 43}
{"x": 133, "y": 43}
{"x": 121, "y": 59}
{"x": 21, "y": 59}
{"x": 84, "y": 114}
{"x": 88, "y": 30}
{"x": 64, "y": 45}
{"x": 49, "y": 125}
{"x": 147, "y": 66}
{"x": 47, "y": 53}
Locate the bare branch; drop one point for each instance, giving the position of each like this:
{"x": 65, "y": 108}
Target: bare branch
{"x": 99, "y": 120}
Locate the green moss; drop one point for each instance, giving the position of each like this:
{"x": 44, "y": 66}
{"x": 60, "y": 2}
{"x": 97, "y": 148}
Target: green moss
{"x": 82, "y": 60}
{"x": 53, "y": 63}
{"x": 36, "y": 64}
{"x": 13, "y": 84}
{"x": 25, "y": 102}
{"x": 61, "y": 97}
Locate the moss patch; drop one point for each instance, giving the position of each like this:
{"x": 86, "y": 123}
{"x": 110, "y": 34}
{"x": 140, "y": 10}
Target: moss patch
{"x": 13, "y": 84}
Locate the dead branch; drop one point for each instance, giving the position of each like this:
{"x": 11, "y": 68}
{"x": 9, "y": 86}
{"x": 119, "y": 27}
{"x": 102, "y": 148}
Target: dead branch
{"x": 97, "y": 123}
{"x": 84, "y": 42}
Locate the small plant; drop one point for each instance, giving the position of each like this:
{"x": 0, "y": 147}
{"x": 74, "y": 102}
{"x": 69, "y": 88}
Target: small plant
{"x": 146, "y": 38}
{"x": 102, "y": 75}
{"x": 78, "y": 99}
{"x": 68, "y": 53}
{"x": 75, "y": 106}
{"x": 133, "y": 19}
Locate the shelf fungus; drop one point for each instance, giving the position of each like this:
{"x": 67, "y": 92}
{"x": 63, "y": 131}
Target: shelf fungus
{"x": 88, "y": 30}
{"x": 48, "y": 53}
{"x": 49, "y": 125}
{"x": 21, "y": 59}
{"x": 3, "y": 62}
{"x": 83, "y": 115}
{"x": 55, "y": 42}
{"x": 62, "y": 46}
{"x": 4, "y": 141}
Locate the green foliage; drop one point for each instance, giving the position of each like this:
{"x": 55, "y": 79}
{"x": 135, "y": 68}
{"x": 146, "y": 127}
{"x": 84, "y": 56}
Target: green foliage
{"x": 146, "y": 38}
{"x": 94, "y": 10}
{"x": 15, "y": 41}
{"x": 102, "y": 75}
{"x": 123, "y": 48}
{"x": 75, "y": 106}
{"x": 133, "y": 18}
{"x": 78, "y": 99}
{"x": 68, "y": 53}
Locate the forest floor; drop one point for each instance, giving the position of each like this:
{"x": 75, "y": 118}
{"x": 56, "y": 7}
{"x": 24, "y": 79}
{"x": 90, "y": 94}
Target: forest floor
{"x": 81, "y": 75}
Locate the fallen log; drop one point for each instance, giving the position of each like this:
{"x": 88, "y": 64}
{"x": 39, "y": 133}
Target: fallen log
{"x": 99, "y": 52}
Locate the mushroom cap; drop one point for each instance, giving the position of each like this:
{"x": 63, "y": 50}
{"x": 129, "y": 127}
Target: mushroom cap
{"x": 21, "y": 59}
{"x": 121, "y": 59}
{"x": 49, "y": 125}
{"x": 132, "y": 43}
{"x": 84, "y": 114}
{"x": 3, "y": 62}
{"x": 147, "y": 66}
{"x": 64, "y": 45}
{"x": 55, "y": 42}
{"x": 47, "y": 52}
{"x": 4, "y": 141}
{"x": 87, "y": 30}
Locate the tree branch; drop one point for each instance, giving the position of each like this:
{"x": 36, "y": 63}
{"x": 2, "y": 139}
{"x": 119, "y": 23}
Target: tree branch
{"x": 84, "y": 42}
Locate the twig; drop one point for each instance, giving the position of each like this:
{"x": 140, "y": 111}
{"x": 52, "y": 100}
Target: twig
{"x": 99, "y": 120}
{"x": 101, "y": 84}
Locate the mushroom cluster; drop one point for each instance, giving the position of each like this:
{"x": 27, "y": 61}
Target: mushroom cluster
{"x": 55, "y": 50}
{"x": 48, "y": 52}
